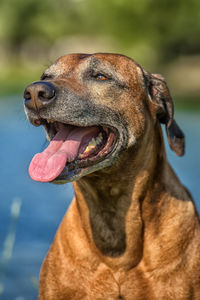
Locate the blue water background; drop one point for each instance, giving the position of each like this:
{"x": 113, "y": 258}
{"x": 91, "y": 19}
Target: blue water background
{"x": 44, "y": 205}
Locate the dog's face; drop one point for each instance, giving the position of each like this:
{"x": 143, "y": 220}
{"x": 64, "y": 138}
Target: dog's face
{"x": 93, "y": 107}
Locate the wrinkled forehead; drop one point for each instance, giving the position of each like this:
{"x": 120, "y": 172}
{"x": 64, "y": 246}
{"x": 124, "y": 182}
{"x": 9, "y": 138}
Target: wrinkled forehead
{"x": 114, "y": 62}
{"x": 65, "y": 64}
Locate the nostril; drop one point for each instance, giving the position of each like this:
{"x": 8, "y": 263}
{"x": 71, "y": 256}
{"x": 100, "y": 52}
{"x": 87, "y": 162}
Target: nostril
{"x": 27, "y": 95}
{"x": 46, "y": 94}
{"x": 42, "y": 95}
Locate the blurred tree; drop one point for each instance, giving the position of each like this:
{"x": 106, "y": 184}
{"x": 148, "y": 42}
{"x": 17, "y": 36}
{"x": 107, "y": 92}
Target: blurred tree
{"x": 172, "y": 27}
{"x": 21, "y": 19}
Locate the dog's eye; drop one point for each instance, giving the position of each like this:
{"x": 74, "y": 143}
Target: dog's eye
{"x": 100, "y": 77}
{"x": 46, "y": 77}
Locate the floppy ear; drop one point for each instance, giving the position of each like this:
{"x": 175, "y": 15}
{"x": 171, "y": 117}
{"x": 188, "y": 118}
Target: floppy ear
{"x": 160, "y": 95}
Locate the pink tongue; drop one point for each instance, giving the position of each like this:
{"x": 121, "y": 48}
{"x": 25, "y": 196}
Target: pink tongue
{"x": 46, "y": 166}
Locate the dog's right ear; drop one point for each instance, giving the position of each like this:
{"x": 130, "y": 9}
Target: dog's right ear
{"x": 160, "y": 96}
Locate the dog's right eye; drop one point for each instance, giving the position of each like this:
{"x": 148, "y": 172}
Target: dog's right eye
{"x": 96, "y": 75}
{"x": 100, "y": 77}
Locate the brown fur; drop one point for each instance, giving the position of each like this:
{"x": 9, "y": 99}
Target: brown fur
{"x": 132, "y": 231}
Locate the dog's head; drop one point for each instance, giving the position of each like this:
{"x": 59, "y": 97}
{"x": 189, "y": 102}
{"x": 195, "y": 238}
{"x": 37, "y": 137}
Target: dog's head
{"x": 93, "y": 107}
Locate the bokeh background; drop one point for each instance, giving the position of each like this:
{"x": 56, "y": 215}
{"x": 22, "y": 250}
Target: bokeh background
{"x": 163, "y": 36}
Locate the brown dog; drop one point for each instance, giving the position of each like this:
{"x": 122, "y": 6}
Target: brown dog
{"x": 132, "y": 231}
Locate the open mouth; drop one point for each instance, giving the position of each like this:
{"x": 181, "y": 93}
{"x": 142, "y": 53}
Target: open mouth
{"x": 71, "y": 148}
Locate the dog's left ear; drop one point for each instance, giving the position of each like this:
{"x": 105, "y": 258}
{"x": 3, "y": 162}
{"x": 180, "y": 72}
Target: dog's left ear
{"x": 160, "y": 95}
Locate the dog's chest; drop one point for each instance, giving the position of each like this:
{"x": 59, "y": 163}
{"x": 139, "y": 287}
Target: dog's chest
{"x": 103, "y": 284}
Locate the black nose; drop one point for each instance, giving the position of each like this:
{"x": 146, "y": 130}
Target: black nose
{"x": 39, "y": 94}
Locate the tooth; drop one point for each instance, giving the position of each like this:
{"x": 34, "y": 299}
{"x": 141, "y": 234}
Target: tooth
{"x": 49, "y": 121}
{"x": 94, "y": 142}
{"x": 99, "y": 138}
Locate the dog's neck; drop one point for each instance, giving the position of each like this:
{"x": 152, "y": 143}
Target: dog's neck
{"x": 111, "y": 202}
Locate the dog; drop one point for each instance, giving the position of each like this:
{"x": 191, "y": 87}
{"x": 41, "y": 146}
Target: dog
{"x": 132, "y": 231}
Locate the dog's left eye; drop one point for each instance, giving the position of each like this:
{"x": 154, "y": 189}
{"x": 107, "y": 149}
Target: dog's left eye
{"x": 100, "y": 77}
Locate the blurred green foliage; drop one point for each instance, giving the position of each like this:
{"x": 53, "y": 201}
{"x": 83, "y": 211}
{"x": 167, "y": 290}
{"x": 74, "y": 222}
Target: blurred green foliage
{"x": 170, "y": 27}
{"x": 173, "y": 27}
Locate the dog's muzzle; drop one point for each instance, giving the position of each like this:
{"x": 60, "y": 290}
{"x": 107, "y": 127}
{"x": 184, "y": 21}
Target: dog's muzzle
{"x": 79, "y": 144}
